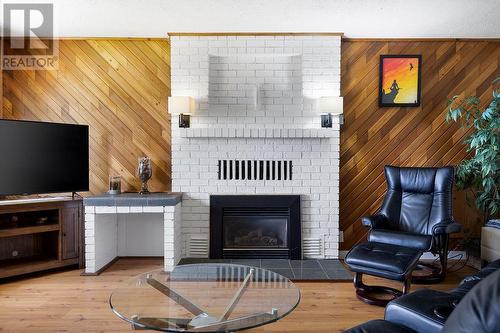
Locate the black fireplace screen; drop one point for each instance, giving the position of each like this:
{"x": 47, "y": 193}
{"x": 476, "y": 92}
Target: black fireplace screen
{"x": 255, "y": 226}
{"x": 255, "y": 232}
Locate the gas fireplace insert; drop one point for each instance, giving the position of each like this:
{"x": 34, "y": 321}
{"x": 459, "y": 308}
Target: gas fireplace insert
{"x": 255, "y": 226}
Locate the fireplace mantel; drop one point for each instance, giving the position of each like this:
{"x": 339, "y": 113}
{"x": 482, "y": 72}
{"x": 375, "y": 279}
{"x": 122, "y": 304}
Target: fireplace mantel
{"x": 233, "y": 132}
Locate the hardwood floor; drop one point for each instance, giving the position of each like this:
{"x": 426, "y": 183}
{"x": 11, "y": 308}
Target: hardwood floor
{"x": 68, "y": 302}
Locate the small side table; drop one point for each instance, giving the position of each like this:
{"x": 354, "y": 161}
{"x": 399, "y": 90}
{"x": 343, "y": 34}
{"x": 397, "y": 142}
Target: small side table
{"x": 490, "y": 244}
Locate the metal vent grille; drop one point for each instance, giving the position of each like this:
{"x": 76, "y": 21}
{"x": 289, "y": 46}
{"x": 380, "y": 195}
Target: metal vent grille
{"x": 256, "y": 211}
{"x": 312, "y": 247}
{"x": 198, "y": 247}
{"x": 255, "y": 170}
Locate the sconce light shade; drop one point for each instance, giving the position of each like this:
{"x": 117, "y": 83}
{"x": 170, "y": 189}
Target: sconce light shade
{"x": 183, "y": 106}
{"x": 180, "y": 104}
{"x": 331, "y": 104}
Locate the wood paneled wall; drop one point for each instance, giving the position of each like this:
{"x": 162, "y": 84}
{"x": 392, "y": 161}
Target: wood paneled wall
{"x": 119, "y": 88}
{"x": 373, "y": 137}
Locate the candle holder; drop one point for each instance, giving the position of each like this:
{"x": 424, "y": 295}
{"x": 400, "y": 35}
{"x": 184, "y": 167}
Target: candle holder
{"x": 115, "y": 185}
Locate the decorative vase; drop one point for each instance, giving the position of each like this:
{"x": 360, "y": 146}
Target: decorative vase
{"x": 145, "y": 171}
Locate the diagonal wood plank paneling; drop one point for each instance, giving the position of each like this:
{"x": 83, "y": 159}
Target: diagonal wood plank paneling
{"x": 373, "y": 137}
{"x": 119, "y": 88}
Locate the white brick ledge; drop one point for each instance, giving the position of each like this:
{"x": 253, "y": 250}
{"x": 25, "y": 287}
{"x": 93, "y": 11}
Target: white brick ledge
{"x": 98, "y": 254}
{"x": 219, "y": 132}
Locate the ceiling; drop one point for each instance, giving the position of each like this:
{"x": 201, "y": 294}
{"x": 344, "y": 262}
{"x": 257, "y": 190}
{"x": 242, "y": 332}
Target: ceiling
{"x": 355, "y": 18}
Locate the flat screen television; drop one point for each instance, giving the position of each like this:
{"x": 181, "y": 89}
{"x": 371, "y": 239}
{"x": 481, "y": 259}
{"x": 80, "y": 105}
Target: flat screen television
{"x": 38, "y": 157}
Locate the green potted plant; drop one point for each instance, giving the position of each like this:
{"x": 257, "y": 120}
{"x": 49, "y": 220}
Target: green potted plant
{"x": 480, "y": 172}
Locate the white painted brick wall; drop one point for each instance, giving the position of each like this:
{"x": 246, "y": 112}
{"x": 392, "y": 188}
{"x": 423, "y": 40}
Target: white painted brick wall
{"x": 250, "y": 93}
{"x": 105, "y": 240}
{"x": 172, "y": 227}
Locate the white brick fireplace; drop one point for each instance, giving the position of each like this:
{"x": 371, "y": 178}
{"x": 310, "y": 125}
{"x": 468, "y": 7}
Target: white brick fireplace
{"x": 256, "y": 99}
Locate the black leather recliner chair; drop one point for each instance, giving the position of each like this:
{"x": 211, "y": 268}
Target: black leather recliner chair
{"x": 415, "y": 217}
{"x": 474, "y": 306}
{"x": 417, "y": 211}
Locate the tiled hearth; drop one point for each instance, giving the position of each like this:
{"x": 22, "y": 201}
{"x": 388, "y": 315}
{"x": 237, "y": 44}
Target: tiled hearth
{"x": 296, "y": 270}
{"x": 256, "y": 99}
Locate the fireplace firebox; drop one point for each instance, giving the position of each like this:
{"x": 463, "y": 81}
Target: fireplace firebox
{"x": 255, "y": 226}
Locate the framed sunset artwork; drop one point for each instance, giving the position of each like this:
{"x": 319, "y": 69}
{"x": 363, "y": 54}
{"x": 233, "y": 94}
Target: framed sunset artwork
{"x": 400, "y": 80}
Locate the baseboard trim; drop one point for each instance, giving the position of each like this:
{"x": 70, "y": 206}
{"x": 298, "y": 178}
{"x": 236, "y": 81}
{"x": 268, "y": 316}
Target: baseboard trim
{"x": 342, "y": 254}
{"x": 140, "y": 257}
{"x": 105, "y": 267}
{"x": 425, "y": 256}
{"x": 102, "y": 269}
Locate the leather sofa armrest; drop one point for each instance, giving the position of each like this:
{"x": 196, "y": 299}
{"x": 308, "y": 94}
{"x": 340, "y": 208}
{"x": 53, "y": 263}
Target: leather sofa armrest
{"x": 379, "y": 326}
{"x": 376, "y": 221}
{"x": 416, "y": 310}
{"x": 449, "y": 227}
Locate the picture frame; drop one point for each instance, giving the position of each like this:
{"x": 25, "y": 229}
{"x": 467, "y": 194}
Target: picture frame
{"x": 400, "y": 80}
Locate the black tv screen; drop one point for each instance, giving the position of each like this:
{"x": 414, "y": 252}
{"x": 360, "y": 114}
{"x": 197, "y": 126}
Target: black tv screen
{"x": 37, "y": 157}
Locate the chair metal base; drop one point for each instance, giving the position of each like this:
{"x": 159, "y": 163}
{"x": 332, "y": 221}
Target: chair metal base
{"x": 366, "y": 293}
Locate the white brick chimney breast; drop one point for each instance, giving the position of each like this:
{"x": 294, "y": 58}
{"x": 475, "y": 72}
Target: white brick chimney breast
{"x": 256, "y": 99}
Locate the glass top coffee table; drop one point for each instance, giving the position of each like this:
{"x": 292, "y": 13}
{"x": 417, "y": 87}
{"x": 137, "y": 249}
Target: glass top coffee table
{"x": 205, "y": 298}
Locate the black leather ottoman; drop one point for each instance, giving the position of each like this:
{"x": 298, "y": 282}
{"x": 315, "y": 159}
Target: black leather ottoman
{"x": 389, "y": 261}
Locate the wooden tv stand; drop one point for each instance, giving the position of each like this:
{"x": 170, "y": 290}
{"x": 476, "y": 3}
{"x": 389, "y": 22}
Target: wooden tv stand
{"x": 40, "y": 234}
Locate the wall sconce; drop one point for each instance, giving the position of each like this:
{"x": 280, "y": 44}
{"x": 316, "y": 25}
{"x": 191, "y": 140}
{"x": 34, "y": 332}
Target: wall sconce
{"x": 331, "y": 105}
{"x": 183, "y": 106}
{"x": 326, "y": 120}
{"x": 184, "y": 120}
